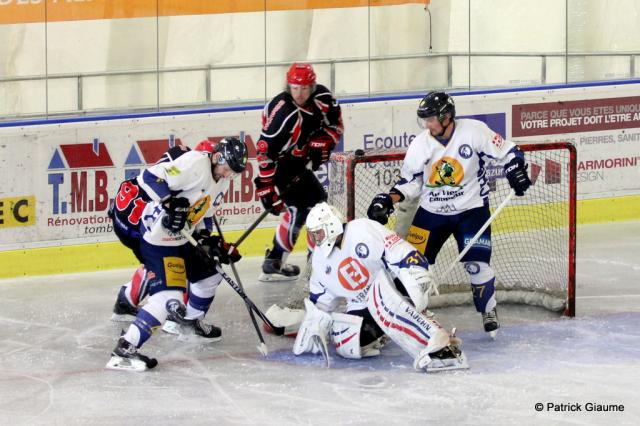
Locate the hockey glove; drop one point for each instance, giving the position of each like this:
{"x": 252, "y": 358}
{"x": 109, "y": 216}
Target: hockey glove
{"x": 223, "y": 251}
{"x": 266, "y": 190}
{"x": 320, "y": 146}
{"x": 176, "y": 213}
{"x": 381, "y": 208}
{"x": 314, "y": 331}
{"x": 419, "y": 284}
{"x": 516, "y": 172}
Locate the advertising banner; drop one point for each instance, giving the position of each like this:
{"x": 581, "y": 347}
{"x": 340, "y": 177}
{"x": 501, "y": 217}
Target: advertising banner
{"x": 58, "y": 179}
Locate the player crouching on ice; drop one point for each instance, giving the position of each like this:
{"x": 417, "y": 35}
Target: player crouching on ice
{"x": 184, "y": 194}
{"x": 353, "y": 262}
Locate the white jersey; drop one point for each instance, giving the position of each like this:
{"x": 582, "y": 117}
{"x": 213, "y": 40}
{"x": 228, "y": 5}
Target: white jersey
{"x": 187, "y": 176}
{"x": 451, "y": 178}
{"x": 349, "y": 270}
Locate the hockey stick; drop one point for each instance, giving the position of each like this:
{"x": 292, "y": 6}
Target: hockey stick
{"x": 279, "y": 331}
{"x": 262, "y": 347}
{"x": 267, "y": 211}
{"x": 475, "y": 238}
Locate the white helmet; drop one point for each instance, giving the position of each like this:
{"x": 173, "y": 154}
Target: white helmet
{"x": 328, "y": 219}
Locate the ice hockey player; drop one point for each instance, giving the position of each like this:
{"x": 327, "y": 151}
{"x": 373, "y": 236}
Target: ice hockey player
{"x": 126, "y": 212}
{"x": 445, "y": 167}
{"x": 184, "y": 193}
{"x": 300, "y": 125}
{"x": 356, "y": 263}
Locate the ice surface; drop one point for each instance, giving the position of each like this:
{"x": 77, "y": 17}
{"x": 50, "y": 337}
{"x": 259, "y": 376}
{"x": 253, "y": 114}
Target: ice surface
{"x": 55, "y": 338}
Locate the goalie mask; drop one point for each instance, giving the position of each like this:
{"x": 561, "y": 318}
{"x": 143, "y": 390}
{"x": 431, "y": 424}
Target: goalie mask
{"x": 324, "y": 225}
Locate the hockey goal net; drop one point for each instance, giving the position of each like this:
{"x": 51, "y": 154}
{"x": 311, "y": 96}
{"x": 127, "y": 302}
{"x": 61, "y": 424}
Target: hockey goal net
{"x": 533, "y": 238}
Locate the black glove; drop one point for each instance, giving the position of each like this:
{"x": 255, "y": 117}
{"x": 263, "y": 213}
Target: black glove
{"x": 380, "y": 208}
{"x": 177, "y": 210}
{"x": 266, "y": 190}
{"x": 516, "y": 172}
{"x": 224, "y": 252}
{"x": 320, "y": 146}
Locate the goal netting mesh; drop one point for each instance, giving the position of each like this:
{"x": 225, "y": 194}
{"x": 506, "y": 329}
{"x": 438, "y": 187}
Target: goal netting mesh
{"x": 533, "y": 238}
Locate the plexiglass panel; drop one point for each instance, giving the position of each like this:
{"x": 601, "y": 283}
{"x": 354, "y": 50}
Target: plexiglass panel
{"x": 73, "y": 57}
{"x": 512, "y": 40}
{"x": 22, "y": 60}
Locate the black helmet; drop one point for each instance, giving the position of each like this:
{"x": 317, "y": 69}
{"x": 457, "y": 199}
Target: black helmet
{"x": 436, "y": 104}
{"x": 234, "y": 152}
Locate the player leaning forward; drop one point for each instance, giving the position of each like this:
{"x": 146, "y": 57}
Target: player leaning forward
{"x": 184, "y": 193}
{"x": 445, "y": 167}
{"x": 356, "y": 263}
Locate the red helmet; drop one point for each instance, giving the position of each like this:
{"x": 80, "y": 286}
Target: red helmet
{"x": 301, "y": 74}
{"x": 206, "y": 146}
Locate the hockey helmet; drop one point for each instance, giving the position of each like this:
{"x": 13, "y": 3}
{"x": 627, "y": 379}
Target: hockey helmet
{"x": 301, "y": 74}
{"x": 205, "y": 146}
{"x": 324, "y": 224}
{"x": 234, "y": 152}
{"x": 437, "y": 104}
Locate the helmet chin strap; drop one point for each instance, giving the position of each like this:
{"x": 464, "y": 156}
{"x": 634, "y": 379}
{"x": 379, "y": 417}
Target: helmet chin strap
{"x": 446, "y": 132}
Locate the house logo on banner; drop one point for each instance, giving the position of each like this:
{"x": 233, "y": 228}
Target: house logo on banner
{"x": 147, "y": 152}
{"x": 79, "y": 170}
{"x": 83, "y": 177}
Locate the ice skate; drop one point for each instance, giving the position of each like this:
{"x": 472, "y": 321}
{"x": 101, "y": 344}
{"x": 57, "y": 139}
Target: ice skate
{"x": 491, "y": 323}
{"x": 198, "y": 331}
{"x": 125, "y": 357}
{"x": 171, "y": 327}
{"x": 448, "y": 358}
{"x": 277, "y": 270}
{"x": 123, "y": 310}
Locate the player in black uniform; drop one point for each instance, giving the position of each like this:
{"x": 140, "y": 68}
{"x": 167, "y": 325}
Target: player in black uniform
{"x": 299, "y": 126}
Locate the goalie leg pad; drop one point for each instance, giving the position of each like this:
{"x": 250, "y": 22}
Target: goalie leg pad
{"x": 399, "y": 320}
{"x": 345, "y": 333}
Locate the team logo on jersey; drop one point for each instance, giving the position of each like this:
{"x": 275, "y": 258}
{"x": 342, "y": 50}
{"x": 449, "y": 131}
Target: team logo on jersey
{"x": 446, "y": 172}
{"x": 465, "y": 151}
{"x": 352, "y": 274}
{"x": 172, "y": 171}
{"x": 362, "y": 250}
{"x": 472, "y": 267}
{"x": 497, "y": 141}
{"x": 199, "y": 209}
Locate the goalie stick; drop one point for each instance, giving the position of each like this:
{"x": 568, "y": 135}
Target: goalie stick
{"x": 279, "y": 331}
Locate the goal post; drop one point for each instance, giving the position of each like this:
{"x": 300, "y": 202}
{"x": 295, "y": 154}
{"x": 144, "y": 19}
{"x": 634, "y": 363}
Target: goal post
{"x": 533, "y": 239}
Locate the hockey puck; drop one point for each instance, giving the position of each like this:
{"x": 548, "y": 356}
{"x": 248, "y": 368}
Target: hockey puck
{"x": 359, "y": 152}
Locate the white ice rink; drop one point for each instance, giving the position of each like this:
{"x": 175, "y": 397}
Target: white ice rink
{"x": 55, "y": 338}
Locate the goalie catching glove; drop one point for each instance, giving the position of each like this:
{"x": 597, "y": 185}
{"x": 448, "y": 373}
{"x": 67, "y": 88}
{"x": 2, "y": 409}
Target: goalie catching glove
{"x": 419, "y": 284}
